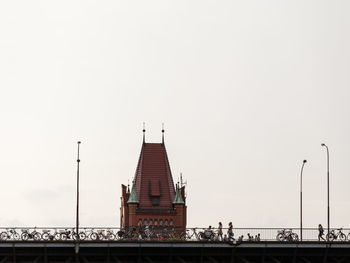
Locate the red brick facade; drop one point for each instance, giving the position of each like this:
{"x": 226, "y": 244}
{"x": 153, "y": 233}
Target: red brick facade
{"x": 153, "y": 200}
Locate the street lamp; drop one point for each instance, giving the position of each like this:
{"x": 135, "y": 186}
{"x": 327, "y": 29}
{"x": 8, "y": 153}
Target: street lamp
{"x": 77, "y": 215}
{"x": 327, "y": 189}
{"x": 301, "y": 201}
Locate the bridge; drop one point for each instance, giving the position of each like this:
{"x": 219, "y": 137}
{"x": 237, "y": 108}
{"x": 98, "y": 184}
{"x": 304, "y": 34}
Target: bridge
{"x": 115, "y": 245}
{"x": 172, "y": 251}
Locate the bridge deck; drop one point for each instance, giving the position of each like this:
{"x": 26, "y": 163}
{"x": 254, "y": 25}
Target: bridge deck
{"x": 120, "y": 252}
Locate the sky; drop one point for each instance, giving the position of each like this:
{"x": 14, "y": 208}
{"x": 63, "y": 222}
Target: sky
{"x": 246, "y": 90}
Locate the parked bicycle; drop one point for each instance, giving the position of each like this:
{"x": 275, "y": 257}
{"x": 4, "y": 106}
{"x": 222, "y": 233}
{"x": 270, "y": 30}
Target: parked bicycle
{"x": 339, "y": 235}
{"x": 26, "y": 235}
{"x": 127, "y": 233}
{"x": 286, "y": 235}
{"x": 207, "y": 234}
{"x": 104, "y": 234}
{"x": 9, "y": 234}
{"x": 47, "y": 236}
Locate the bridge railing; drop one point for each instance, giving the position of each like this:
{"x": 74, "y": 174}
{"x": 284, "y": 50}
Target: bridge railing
{"x": 168, "y": 233}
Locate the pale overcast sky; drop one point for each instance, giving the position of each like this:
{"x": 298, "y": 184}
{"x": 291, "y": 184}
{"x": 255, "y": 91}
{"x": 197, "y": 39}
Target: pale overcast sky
{"x": 246, "y": 89}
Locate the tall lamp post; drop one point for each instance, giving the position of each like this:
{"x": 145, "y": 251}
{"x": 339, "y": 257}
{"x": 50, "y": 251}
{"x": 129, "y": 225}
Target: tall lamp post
{"x": 77, "y": 215}
{"x": 301, "y": 201}
{"x": 324, "y": 145}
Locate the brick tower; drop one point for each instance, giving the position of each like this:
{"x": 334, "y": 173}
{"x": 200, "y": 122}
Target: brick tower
{"x": 153, "y": 199}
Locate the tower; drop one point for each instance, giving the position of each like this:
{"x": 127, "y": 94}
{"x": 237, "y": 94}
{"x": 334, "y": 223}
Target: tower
{"x": 153, "y": 199}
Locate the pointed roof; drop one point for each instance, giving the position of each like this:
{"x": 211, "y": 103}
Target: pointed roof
{"x": 133, "y": 197}
{"x": 153, "y": 179}
{"x": 178, "y": 198}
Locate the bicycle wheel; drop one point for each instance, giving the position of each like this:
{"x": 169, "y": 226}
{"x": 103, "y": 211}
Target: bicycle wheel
{"x": 182, "y": 236}
{"x": 212, "y": 237}
{"x": 348, "y": 237}
{"x": 295, "y": 237}
{"x": 111, "y": 236}
{"x": 24, "y": 236}
{"x": 63, "y": 236}
{"x": 3, "y": 236}
{"x": 279, "y": 237}
{"x": 74, "y": 236}
{"x": 330, "y": 237}
{"x": 16, "y": 236}
{"x": 82, "y": 236}
{"x": 57, "y": 236}
{"x": 93, "y": 236}
{"x": 342, "y": 237}
{"x": 36, "y": 236}
{"x": 45, "y": 236}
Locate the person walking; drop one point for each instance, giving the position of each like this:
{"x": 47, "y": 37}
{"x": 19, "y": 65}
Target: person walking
{"x": 230, "y": 232}
{"x": 220, "y": 231}
{"x": 320, "y": 233}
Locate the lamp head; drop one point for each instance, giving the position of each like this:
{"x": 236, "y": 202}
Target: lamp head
{"x": 79, "y": 142}
{"x": 304, "y": 161}
{"x": 323, "y": 144}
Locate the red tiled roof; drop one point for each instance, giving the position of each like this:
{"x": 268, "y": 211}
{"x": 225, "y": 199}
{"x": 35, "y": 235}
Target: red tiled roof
{"x": 153, "y": 177}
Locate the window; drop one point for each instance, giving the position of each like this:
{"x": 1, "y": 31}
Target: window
{"x": 166, "y": 222}
{"x": 145, "y": 222}
{"x": 160, "y": 222}
{"x": 171, "y": 222}
{"x": 155, "y": 222}
{"x": 150, "y": 222}
{"x": 155, "y": 201}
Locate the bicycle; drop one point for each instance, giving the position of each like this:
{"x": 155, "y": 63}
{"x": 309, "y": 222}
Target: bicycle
{"x": 336, "y": 235}
{"x": 9, "y": 234}
{"x": 110, "y": 235}
{"x": 192, "y": 236}
{"x": 102, "y": 236}
{"x": 207, "y": 234}
{"x": 26, "y": 234}
{"x": 286, "y": 235}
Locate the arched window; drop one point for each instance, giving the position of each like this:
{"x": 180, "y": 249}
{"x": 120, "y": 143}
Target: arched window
{"x": 155, "y": 222}
{"x": 171, "y": 222}
{"x": 145, "y": 222}
{"x": 150, "y": 222}
{"x": 160, "y": 222}
{"x": 166, "y": 222}
{"x": 140, "y": 222}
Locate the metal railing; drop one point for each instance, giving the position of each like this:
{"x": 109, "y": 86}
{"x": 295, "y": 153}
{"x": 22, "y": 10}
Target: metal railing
{"x": 152, "y": 233}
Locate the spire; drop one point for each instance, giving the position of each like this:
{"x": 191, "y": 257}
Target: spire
{"x": 133, "y": 197}
{"x": 162, "y": 133}
{"x": 144, "y": 131}
{"x": 178, "y": 198}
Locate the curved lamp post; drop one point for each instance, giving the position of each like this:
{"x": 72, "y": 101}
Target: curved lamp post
{"x": 327, "y": 189}
{"x": 301, "y": 201}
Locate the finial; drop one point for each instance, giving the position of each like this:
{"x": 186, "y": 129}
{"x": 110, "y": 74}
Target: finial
{"x": 144, "y": 131}
{"x": 162, "y": 133}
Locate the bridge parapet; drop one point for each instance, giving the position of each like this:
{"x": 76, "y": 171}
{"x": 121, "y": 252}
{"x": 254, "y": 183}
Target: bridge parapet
{"x": 57, "y": 234}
